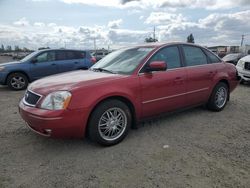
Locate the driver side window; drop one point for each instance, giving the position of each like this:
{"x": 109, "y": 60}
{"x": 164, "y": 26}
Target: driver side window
{"x": 45, "y": 57}
{"x": 170, "y": 55}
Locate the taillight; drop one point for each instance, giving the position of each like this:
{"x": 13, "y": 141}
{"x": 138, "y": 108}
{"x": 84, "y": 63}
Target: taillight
{"x": 93, "y": 60}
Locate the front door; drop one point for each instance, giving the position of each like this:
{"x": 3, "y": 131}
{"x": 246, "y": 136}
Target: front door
{"x": 44, "y": 65}
{"x": 163, "y": 91}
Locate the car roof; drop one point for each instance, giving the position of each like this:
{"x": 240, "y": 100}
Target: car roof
{"x": 46, "y": 50}
{"x": 162, "y": 44}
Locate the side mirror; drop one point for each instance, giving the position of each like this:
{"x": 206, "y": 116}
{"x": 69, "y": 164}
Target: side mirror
{"x": 156, "y": 66}
{"x": 34, "y": 60}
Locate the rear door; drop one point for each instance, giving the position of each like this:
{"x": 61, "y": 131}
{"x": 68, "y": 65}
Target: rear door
{"x": 200, "y": 74}
{"x": 164, "y": 91}
{"x": 69, "y": 60}
{"x": 44, "y": 65}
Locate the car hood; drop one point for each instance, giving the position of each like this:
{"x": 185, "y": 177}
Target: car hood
{"x": 10, "y": 63}
{"x": 229, "y": 58}
{"x": 70, "y": 81}
{"x": 246, "y": 58}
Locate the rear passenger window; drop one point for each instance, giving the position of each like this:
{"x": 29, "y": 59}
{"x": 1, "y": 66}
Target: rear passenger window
{"x": 79, "y": 55}
{"x": 60, "y": 55}
{"x": 212, "y": 58}
{"x": 194, "y": 56}
{"x": 170, "y": 55}
{"x": 70, "y": 55}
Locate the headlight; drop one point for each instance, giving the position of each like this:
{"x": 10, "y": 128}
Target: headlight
{"x": 241, "y": 63}
{"x": 2, "y": 68}
{"x": 57, "y": 100}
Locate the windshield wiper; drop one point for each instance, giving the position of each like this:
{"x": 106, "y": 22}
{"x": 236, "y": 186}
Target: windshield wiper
{"x": 103, "y": 70}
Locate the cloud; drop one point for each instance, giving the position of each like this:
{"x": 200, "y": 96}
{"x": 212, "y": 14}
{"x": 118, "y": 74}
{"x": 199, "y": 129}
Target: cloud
{"x": 127, "y": 1}
{"x": 115, "y": 24}
{"x": 158, "y": 4}
{"x": 216, "y": 28}
{"x": 39, "y": 24}
{"x": 164, "y": 18}
{"x": 39, "y": 34}
{"x": 21, "y": 22}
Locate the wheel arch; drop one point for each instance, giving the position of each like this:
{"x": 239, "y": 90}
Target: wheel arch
{"x": 225, "y": 81}
{"x": 19, "y": 71}
{"x": 123, "y": 99}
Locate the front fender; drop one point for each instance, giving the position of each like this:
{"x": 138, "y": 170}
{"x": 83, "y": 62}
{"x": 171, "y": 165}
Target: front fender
{"x": 90, "y": 97}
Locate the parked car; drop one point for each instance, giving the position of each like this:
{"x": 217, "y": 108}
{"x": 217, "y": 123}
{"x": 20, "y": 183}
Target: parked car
{"x": 232, "y": 58}
{"x": 243, "y": 67}
{"x": 20, "y": 55}
{"x": 100, "y": 54}
{"x": 42, "y": 63}
{"x": 125, "y": 87}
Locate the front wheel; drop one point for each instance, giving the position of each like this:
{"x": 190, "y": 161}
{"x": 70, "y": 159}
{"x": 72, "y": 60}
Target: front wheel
{"x": 17, "y": 81}
{"x": 109, "y": 123}
{"x": 219, "y": 97}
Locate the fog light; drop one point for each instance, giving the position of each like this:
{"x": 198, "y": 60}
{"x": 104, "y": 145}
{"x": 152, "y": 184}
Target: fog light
{"x": 48, "y": 131}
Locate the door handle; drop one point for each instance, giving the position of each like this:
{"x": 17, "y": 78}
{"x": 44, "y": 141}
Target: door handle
{"x": 76, "y": 62}
{"x": 53, "y": 64}
{"x": 179, "y": 80}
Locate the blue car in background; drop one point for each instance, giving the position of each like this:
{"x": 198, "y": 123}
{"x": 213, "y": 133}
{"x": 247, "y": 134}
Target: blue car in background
{"x": 43, "y": 63}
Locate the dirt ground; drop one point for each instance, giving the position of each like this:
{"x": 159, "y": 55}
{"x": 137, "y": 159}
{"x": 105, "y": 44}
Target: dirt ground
{"x": 195, "y": 148}
{"x": 5, "y": 59}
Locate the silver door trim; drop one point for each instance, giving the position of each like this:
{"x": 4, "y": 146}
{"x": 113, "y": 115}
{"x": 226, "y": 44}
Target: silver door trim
{"x": 173, "y": 96}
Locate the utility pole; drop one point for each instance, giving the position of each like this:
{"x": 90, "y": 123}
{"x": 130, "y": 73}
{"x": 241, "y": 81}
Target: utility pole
{"x": 154, "y": 34}
{"x": 95, "y": 44}
{"x": 242, "y": 39}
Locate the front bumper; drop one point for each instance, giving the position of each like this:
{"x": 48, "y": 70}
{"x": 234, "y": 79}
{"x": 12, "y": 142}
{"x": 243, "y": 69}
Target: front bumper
{"x": 56, "y": 124}
{"x": 3, "y": 76}
{"x": 244, "y": 74}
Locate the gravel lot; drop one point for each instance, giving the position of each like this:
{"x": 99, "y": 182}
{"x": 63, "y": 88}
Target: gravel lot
{"x": 195, "y": 148}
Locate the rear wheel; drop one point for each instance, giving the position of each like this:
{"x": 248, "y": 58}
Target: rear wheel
{"x": 219, "y": 97}
{"x": 17, "y": 81}
{"x": 109, "y": 122}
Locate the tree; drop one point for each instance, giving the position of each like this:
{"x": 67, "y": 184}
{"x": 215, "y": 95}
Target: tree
{"x": 2, "y": 48}
{"x": 17, "y": 49}
{"x": 150, "y": 39}
{"x": 190, "y": 38}
{"x": 8, "y": 48}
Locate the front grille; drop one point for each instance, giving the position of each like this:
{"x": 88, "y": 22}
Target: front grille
{"x": 247, "y": 66}
{"x": 31, "y": 98}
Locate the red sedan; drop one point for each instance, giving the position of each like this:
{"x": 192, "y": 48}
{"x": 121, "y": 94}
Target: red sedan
{"x": 125, "y": 87}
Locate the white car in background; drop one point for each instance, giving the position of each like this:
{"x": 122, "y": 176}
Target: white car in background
{"x": 243, "y": 68}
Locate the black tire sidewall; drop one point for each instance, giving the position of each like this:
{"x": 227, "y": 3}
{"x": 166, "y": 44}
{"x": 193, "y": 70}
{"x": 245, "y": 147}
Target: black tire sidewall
{"x": 93, "y": 131}
{"x": 20, "y": 75}
{"x": 211, "y": 103}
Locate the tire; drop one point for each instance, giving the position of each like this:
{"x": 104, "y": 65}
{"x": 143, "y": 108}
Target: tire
{"x": 219, "y": 97}
{"x": 242, "y": 81}
{"x": 107, "y": 129}
{"x": 17, "y": 81}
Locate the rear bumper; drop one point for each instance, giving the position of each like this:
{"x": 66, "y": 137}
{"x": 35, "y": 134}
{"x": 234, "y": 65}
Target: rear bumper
{"x": 56, "y": 124}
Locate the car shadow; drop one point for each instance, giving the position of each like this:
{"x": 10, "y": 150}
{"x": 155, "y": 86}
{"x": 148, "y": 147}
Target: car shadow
{"x": 4, "y": 88}
{"x": 246, "y": 84}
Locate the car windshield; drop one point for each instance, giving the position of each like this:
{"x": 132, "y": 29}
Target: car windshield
{"x": 28, "y": 57}
{"x": 123, "y": 61}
